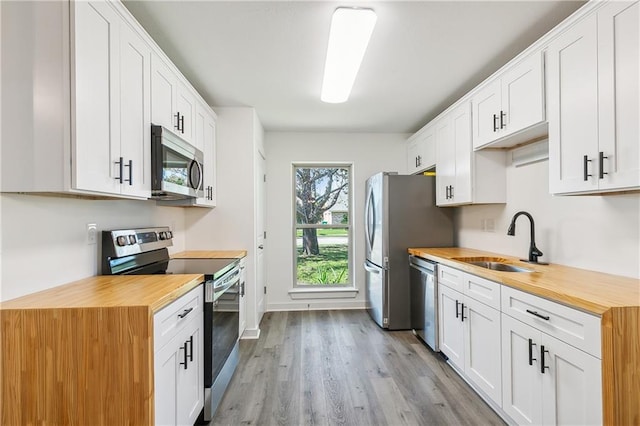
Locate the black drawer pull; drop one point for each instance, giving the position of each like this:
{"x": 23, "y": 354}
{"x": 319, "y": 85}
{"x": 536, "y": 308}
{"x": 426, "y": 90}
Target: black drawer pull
{"x": 457, "y": 314}
{"x": 185, "y": 313}
{"x": 546, "y": 318}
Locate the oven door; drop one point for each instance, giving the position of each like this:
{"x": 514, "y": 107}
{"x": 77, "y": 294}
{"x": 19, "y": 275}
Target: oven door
{"x": 177, "y": 170}
{"x": 222, "y": 318}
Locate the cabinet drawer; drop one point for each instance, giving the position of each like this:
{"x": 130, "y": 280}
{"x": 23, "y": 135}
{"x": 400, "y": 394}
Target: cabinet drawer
{"x": 574, "y": 327}
{"x": 450, "y": 277}
{"x": 173, "y": 317}
{"x": 482, "y": 290}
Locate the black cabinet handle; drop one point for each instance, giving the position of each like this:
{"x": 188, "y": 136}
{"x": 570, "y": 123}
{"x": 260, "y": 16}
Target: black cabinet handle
{"x": 542, "y": 366}
{"x": 601, "y": 172}
{"x": 182, "y": 123}
{"x": 495, "y": 123}
{"x": 186, "y": 362}
{"x": 457, "y": 314}
{"x": 544, "y": 317}
{"x": 451, "y": 191}
{"x": 130, "y": 166}
{"x": 177, "y": 125}
{"x": 120, "y": 163}
{"x": 419, "y": 160}
{"x": 502, "y": 117}
{"x": 190, "y": 348}
{"x": 462, "y": 317}
{"x": 586, "y": 161}
{"x": 242, "y": 289}
{"x": 531, "y": 358}
{"x": 185, "y": 313}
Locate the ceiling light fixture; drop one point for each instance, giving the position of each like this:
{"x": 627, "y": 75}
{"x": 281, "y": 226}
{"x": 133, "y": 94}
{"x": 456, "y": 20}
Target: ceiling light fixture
{"x": 351, "y": 29}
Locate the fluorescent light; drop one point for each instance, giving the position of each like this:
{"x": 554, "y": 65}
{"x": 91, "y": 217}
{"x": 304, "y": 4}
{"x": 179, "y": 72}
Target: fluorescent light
{"x": 351, "y": 29}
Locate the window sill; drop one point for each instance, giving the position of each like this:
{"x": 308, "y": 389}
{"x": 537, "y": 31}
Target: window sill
{"x": 323, "y": 293}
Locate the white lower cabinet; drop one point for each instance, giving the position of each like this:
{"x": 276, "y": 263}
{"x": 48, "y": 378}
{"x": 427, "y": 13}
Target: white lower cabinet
{"x": 547, "y": 381}
{"x": 537, "y": 360}
{"x": 469, "y": 336}
{"x": 179, "y": 361}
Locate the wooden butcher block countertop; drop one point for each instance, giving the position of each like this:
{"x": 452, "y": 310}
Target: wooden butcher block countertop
{"x": 210, "y": 254}
{"x": 105, "y": 291}
{"x": 594, "y": 292}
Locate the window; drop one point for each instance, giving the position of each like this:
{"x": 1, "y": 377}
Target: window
{"x": 322, "y": 225}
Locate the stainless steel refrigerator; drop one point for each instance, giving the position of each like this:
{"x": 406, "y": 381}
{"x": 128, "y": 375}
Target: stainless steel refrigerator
{"x": 400, "y": 212}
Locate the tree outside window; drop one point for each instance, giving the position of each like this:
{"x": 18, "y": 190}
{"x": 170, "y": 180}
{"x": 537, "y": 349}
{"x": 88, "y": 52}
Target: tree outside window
{"x": 322, "y": 228}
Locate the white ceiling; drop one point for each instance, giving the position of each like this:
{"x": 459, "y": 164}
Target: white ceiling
{"x": 423, "y": 56}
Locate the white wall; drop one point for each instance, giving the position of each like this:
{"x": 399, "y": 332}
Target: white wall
{"x": 369, "y": 153}
{"x": 43, "y": 239}
{"x": 230, "y": 226}
{"x": 596, "y": 232}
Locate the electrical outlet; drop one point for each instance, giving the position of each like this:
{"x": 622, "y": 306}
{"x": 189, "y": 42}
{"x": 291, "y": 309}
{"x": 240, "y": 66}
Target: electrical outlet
{"x": 490, "y": 225}
{"x": 92, "y": 233}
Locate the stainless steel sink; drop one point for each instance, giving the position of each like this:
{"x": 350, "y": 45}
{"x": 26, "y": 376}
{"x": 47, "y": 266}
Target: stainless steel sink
{"x": 497, "y": 266}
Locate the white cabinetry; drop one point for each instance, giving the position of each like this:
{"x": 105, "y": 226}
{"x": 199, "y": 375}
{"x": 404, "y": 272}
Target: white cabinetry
{"x": 86, "y": 107}
{"x": 547, "y": 380}
{"x": 421, "y": 151}
{"x": 173, "y": 104}
{"x": 593, "y": 100}
{"x": 205, "y": 137}
{"x": 243, "y": 300}
{"x": 464, "y": 176}
{"x": 510, "y": 109}
{"x": 178, "y": 360}
{"x": 470, "y": 328}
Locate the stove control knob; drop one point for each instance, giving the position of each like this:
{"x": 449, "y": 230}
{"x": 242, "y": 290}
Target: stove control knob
{"x": 163, "y": 236}
{"x": 121, "y": 240}
{"x": 169, "y": 235}
{"x": 132, "y": 239}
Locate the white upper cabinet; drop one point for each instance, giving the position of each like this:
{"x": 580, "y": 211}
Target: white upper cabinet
{"x": 205, "y": 137}
{"x": 509, "y": 110}
{"x": 421, "y": 151}
{"x": 593, "y": 103}
{"x": 89, "y": 133}
{"x": 464, "y": 176}
{"x": 173, "y": 104}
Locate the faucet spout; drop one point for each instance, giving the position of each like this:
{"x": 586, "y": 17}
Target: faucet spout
{"x": 534, "y": 252}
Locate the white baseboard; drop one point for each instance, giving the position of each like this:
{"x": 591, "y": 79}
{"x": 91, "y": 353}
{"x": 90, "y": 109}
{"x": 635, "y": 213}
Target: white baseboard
{"x": 312, "y": 305}
{"x": 250, "y": 333}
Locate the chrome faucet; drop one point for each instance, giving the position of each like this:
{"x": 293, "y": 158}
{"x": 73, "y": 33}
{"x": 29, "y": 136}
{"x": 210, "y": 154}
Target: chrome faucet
{"x": 534, "y": 253}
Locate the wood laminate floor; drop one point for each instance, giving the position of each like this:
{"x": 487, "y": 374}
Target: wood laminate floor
{"x": 340, "y": 368}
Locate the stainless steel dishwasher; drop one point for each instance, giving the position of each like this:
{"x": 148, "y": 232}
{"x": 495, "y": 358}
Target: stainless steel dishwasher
{"x": 424, "y": 300}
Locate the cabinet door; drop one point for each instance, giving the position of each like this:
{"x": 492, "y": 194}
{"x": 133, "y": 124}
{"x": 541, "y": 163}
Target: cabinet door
{"x": 96, "y": 132}
{"x": 618, "y": 71}
{"x": 206, "y": 133}
{"x": 163, "y": 95}
{"x": 165, "y": 373}
{"x": 461, "y": 191}
{"x": 135, "y": 113}
{"x": 451, "y": 327}
{"x": 445, "y": 161}
{"x": 482, "y": 362}
{"x": 571, "y": 386}
{"x": 572, "y": 83}
{"x": 523, "y": 95}
{"x": 186, "y": 106}
{"x": 413, "y": 151}
{"x": 521, "y": 379}
{"x": 428, "y": 150}
{"x": 190, "y": 380}
{"x": 486, "y": 106}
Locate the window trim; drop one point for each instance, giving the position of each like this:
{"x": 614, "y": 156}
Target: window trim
{"x": 311, "y": 288}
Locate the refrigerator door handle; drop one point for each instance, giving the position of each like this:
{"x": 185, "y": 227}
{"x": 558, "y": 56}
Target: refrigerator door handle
{"x": 370, "y": 219}
{"x": 370, "y": 269}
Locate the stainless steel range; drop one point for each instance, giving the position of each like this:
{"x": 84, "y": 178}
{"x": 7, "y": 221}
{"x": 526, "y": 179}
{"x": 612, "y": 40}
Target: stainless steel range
{"x": 143, "y": 251}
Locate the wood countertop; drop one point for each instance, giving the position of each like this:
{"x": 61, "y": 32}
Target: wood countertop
{"x": 106, "y": 291}
{"x": 593, "y": 292}
{"x": 210, "y": 254}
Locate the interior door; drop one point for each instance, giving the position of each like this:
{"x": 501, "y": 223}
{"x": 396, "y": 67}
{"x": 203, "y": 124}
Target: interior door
{"x": 260, "y": 235}
{"x": 374, "y": 220}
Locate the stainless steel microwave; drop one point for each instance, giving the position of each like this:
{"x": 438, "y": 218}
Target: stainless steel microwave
{"x": 176, "y": 166}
